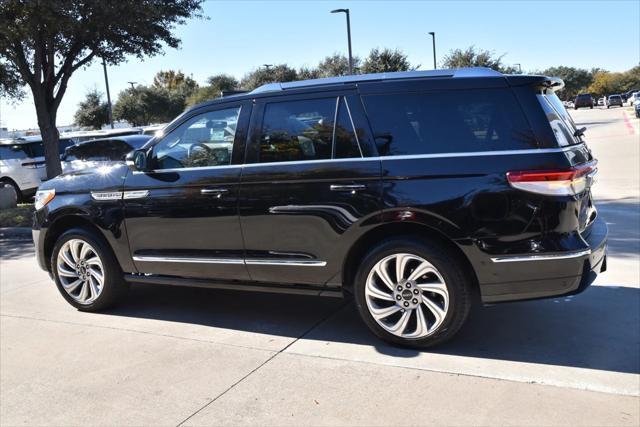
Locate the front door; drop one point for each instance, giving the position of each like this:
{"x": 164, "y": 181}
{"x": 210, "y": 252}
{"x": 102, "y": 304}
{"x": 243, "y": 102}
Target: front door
{"x": 181, "y": 216}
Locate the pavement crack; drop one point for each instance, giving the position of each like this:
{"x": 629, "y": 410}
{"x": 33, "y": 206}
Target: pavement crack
{"x": 269, "y": 359}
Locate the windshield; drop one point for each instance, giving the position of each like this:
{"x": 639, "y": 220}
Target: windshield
{"x": 561, "y": 122}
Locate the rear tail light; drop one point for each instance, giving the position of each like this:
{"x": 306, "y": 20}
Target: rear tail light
{"x": 555, "y": 182}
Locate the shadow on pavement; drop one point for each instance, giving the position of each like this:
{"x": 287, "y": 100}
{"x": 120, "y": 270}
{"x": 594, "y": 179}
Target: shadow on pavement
{"x": 599, "y": 329}
{"x": 623, "y": 219}
{"x": 15, "y": 249}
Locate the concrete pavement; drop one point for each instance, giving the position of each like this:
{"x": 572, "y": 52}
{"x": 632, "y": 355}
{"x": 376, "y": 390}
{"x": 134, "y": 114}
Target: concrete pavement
{"x": 172, "y": 356}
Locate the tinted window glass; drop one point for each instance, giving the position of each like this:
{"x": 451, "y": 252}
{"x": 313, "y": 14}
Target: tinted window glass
{"x": 203, "y": 140}
{"x": 443, "y": 122}
{"x": 346, "y": 143}
{"x": 99, "y": 151}
{"x": 297, "y": 130}
{"x": 11, "y": 152}
{"x": 561, "y": 122}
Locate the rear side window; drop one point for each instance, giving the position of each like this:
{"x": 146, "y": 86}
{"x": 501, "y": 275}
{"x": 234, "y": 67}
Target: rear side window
{"x": 310, "y": 129}
{"x": 561, "y": 122}
{"x": 12, "y": 152}
{"x": 445, "y": 122}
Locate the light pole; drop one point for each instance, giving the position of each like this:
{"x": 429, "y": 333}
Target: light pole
{"x": 106, "y": 83}
{"x": 132, "y": 83}
{"x": 267, "y": 66}
{"x": 346, "y": 12}
{"x": 433, "y": 36}
{"x": 519, "y": 68}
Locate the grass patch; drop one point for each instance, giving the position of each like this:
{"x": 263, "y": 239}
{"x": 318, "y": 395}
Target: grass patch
{"x": 20, "y": 216}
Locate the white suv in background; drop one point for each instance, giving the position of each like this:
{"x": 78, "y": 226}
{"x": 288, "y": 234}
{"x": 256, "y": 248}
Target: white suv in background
{"x": 22, "y": 164}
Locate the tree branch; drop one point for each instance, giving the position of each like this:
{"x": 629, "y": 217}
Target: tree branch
{"x": 65, "y": 78}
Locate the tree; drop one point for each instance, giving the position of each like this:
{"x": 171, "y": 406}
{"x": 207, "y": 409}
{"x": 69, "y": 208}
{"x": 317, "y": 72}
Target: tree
{"x": 174, "y": 81}
{"x": 384, "y": 61}
{"x": 10, "y": 82}
{"x": 576, "y": 80}
{"x": 45, "y": 42}
{"x": 472, "y": 57}
{"x": 144, "y": 105}
{"x": 606, "y": 83}
{"x": 92, "y": 112}
{"x": 278, "y": 73}
{"x": 336, "y": 65}
{"x": 215, "y": 85}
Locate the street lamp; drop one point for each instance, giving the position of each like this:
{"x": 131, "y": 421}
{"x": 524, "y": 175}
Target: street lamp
{"x": 132, "y": 83}
{"x": 106, "y": 83}
{"x": 433, "y": 36}
{"x": 267, "y": 66}
{"x": 519, "y": 68}
{"x": 346, "y": 12}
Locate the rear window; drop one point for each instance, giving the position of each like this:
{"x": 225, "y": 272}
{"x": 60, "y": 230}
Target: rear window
{"x": 12, "y": 152}
{"x": 584, "y": 96}
{"x": 561, "y": 122}
{"x": 115, "y": 150}
{"x": 445, "y": 122}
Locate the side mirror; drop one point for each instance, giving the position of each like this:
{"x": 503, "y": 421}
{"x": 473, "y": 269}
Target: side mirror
{"x": 137, "y": 160}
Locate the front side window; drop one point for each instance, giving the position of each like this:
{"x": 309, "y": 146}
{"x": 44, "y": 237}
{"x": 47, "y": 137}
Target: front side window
{"x": 203, "y": 140}
{"x": 297, "y": 130}
{"x": 445, "y": 122}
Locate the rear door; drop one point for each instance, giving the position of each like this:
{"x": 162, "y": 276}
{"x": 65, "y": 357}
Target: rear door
{"x": 307, "y": 188}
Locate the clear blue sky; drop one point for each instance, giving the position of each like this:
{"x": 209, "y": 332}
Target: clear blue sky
{"x": 240, "y": 36}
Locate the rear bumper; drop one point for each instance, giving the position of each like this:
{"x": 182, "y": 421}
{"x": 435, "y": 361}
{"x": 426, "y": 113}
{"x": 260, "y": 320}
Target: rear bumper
{"x": 549, "y": 275}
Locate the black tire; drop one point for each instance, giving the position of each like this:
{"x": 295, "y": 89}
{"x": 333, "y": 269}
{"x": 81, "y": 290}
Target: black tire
{"x": 114, "y": 287}
{"x": 458, "y": 283}
{"x": 16, "y": 189}
{"x": 591, "y": 107}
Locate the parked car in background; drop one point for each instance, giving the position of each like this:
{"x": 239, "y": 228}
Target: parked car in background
{"x": 153, "y": 129}
{"x": 22, "y": 164}
{"x": 602, "y": 101}
{"x": 421, "y": 193}
{"x": 80, "y": 136}
{"x": 101, "y": 152}
{"x": 636, "y": 107}
{"x": 583, "y": 100}
{"x": 633, "y": 98}
{"x": 626, "y": 95}
{"x": 614, "y": 100}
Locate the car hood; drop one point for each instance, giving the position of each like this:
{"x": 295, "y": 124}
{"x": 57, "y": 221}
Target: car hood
{"x": 94, "y": 179}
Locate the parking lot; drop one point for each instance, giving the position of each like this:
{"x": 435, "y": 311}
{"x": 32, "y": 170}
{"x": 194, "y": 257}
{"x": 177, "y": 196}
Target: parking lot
{"x": 175, "y": 356}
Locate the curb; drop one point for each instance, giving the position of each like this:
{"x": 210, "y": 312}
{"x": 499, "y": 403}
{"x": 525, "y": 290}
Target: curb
{"x": 15, "y": 233}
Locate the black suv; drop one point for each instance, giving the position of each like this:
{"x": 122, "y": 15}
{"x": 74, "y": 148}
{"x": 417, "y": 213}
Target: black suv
{"x": 419, "y": 193}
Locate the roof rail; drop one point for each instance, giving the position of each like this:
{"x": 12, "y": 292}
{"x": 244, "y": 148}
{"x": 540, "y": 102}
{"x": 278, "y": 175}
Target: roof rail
{"x": 358, "y": 78}
{"x": 226, "y": 93}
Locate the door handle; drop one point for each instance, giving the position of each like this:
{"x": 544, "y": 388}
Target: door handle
{"x": 218, "y": 192}
{"x": 352, "y": 187}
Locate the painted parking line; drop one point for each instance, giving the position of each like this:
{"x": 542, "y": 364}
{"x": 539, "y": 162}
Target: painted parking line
{"x": 627, "y": 122}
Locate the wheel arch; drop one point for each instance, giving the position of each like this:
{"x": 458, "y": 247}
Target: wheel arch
{"x": 62, "y": 224}
{"x": 396, "y": 229}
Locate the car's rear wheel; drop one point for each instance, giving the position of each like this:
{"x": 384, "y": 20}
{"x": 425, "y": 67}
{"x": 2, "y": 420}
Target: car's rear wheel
{"x": 412, "y": 292}
{"x": 86, "y": 271}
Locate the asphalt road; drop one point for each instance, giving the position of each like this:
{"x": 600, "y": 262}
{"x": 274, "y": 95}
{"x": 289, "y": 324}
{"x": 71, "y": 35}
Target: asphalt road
{"x": 172, "y": 356}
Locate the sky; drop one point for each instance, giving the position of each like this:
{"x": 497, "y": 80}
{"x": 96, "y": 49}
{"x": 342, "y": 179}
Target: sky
{"x": 240, "y": 36}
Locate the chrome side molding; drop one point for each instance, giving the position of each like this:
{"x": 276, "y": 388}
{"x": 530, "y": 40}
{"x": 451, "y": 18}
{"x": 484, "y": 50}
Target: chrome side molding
{"x": 541, "y": 257}
{"x": 256, "y": 261}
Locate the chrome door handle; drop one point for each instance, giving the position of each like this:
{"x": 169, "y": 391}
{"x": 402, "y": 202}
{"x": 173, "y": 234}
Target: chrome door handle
{"x": 218, "y": 192}
{"x": 353, "y": 187}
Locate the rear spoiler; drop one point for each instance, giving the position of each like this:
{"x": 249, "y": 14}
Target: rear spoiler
{"x": 539, "y": 82}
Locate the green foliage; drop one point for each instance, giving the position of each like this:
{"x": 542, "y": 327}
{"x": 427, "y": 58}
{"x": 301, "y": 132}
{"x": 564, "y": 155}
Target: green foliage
{"x": 92, "y": 111}
{"x": 20, "y": 216}
{"x": 10, "y": 82}
{"x": 45, "y": 42}
{"x": 472, "y": 57}
{"x": 384, "y": 61}
{"x": 215, "y": 85}
{"x": 606, "y": 83}
{"x": 174, "y": 81}
{"x": 144, "y": 105}
{"x": 277, "y": 73}
{"x": 336, "y": 65}
{"x": 576, "y": 80}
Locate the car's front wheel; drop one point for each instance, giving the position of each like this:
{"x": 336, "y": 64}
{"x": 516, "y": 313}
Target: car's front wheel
{"x": 85, "y": 271}
{"x": 412, "y": 292}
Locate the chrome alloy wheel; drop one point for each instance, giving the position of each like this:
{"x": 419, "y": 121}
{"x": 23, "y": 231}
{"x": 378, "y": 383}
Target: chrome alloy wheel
{"x": 80, "y": 271}
{"x": 407, "y": 296}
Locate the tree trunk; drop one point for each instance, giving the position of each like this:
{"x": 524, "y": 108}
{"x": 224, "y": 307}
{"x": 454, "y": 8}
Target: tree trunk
{"x": 50, "y": 138}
